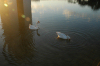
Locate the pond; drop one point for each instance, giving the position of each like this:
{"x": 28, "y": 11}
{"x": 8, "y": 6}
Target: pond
{"x": 21, "y": 46}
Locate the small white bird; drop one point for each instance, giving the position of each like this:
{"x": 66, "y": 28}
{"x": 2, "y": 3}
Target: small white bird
{"x": 62, "y": 35}
{"x": 34, "y": 27}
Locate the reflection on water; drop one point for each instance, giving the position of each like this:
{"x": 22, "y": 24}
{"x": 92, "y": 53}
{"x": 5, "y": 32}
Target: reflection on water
{"x": 94, "y": 4}
{"x": 18, "y": 44}
{"x": 21, "y": 46}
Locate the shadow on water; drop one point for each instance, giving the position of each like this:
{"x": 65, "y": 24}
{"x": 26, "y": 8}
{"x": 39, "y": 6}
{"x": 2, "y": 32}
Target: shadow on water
{"x": 19, "y": 41}
{"x": 94, "y": 4}
{"x": 62, "y": 40}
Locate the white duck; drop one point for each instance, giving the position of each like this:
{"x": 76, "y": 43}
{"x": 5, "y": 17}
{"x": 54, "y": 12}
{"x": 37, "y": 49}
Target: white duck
{"x": 34, "y": 27}
{"x": 62, "y": 35}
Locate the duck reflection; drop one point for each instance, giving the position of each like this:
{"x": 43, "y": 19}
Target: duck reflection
{"x": 38, "y": 33}
{"x": 19, "y": 42}
{"x": 94, "y": 4}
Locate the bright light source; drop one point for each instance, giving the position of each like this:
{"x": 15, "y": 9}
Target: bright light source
{"x": 6, "y": 5}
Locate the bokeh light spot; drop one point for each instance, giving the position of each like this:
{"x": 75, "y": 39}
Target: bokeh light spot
{"x": 27, "y": 19}
{"x": 23, "y": 16}
{"x": 6, "y": 5}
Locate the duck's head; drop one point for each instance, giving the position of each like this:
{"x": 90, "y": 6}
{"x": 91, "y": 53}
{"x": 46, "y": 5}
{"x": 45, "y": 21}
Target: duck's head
{"x": 38, "y": 22}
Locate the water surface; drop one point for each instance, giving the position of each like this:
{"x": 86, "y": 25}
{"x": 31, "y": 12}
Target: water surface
{"x": 21, "y": 46}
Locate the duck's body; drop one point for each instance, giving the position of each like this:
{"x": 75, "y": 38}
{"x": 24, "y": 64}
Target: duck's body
{"x": 62, "y": 35}
{"x": 34, "y": 27}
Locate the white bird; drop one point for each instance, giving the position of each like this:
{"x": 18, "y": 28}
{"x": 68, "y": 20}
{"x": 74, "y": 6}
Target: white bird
{"x": 34, "y": 27}
{"x": 62, "y": 35}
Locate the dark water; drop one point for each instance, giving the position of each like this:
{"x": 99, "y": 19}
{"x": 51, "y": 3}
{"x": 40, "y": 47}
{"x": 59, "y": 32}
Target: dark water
{"x": 19, "y": 46}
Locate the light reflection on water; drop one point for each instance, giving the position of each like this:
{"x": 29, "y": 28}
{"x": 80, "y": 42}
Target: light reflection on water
{"x": 21, "y": 46}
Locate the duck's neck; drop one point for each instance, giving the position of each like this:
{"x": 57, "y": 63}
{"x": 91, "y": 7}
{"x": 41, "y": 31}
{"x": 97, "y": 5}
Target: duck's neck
{"x": 36, "y": 24}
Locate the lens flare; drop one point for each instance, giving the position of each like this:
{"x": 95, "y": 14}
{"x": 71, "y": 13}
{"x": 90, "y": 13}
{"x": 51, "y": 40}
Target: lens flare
{"x": 6, "y": 5}
{"x": 27, "y": 19}
{"x": 23, "y": 16}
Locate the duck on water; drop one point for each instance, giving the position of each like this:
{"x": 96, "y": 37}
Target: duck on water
{"x": 62, "y": 36}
